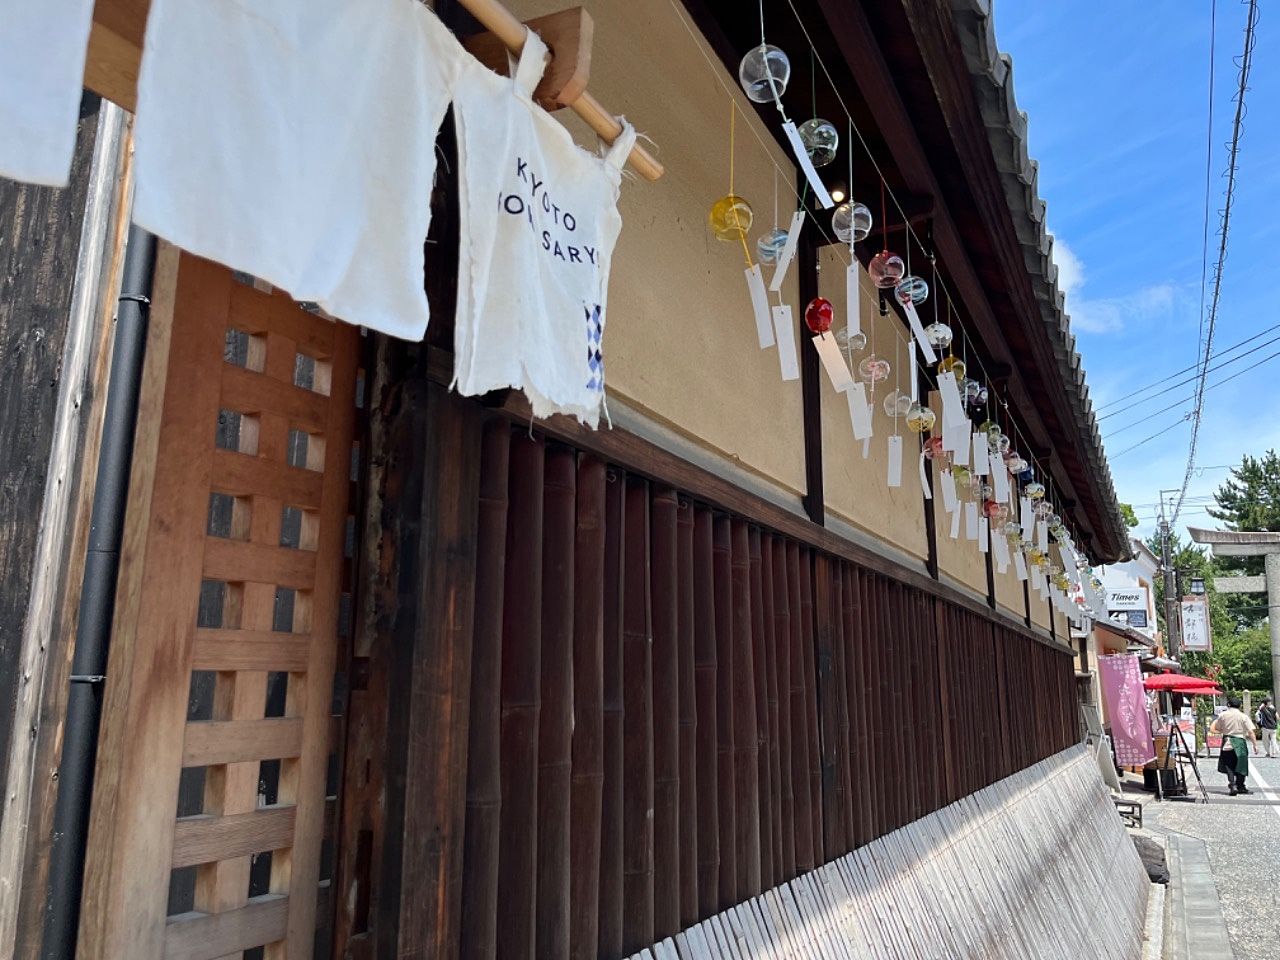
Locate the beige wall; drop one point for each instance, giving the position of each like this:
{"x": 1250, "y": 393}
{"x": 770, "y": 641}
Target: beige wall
{"x": 681, "y": 344}
{"x": 857, "y": 489}
{"x": 1009, "y": 591}
{"x": 959, "y": 559}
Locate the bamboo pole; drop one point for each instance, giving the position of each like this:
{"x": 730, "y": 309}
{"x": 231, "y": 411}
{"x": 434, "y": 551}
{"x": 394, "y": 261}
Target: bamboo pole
{"x": 769, "y": 641}
{"x": 760, "y": 674}
{"x": 810, "y": 687}
{"x": 723, "y": 597}
{"x": 803, "y": 809}
{"x": 611, "y": 819}
{"x": 521, "y": 679}
{"x": 782, "y": 654}
{"x": 666, "y": 715}
{"x": 484, "y": 801}
{"x": 746, "y": 745}
{"x": 706, "y": 681}
{"x": 588, "y": 712}
{"x": 688, "y": 708}
{"x": 555, "y": 733}
{"x": 637, "y": 700}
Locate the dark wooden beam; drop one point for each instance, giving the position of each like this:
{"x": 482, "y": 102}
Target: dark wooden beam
{"x": 810, "y": 387}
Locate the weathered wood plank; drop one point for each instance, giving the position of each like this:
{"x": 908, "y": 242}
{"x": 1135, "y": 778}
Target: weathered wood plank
{"x": 203, "y": 936}
{"x": 203, "y": 838}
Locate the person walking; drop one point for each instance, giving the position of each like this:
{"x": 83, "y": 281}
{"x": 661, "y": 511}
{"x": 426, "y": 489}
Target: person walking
{"x": 1235, "y": 727}
{"x": 1267, "y": 722}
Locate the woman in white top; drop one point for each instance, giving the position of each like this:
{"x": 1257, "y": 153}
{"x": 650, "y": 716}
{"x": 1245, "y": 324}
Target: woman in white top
{"x": 1235, "y": 727}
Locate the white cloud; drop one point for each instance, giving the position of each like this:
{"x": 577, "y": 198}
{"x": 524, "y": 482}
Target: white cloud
{"x": 1070, "y": 269}
{"x": 1104, "y": 314}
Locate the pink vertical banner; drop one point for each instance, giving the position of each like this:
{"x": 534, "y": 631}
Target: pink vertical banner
{"x": 1126, "y": 704}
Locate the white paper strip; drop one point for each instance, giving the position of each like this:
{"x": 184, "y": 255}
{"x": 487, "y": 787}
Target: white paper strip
{"x": 1000, "y": 480}
{"x": 984, "y": 533}
{"x": 960, "y": 456}
{"x": 853, "y": 298}
{"x": 784, "y": 329}
{"x": 859, "y": 410}
{"x": 895, "y": 461}
{"x": 1042, "y": 536}
{"x": 970, "y": 520}
{"x": 949, "y": 499}
{"x": 911, "y": 368}
{"x": 866, "y": 448}
{"x": 788, "y": 251}
{"x": 1000, "y": 548}
{"x": 811, "y": 174}
{"x": 981, "y": 454}
{"x": 760, "y": 304}
{"x": 833, "y": 361}
{"x": 924, "y": 480}
{"x": 952, "y": 406}
{"x": 1020, "y": 564}
{"x": 1028, "y": 518}
{"x": 955, "y": 524}
{"x": 917, "y": 328}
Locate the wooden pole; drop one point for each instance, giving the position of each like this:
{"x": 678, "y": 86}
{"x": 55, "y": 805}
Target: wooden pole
{"x": 843, "y": 814}
{"x": 521, "y": 682}
{"x": 855, "y": 668}
{"x": 688, "y": 824}
{"x": 810, "y": 687}
{"x": 555, "y": 733}
{"x": 666, "y": 716}
{"x": 484, "y": 800}
{"x": 706, "y": 682}
{"x": 637, "y": 699}
{"x": 824, "y": 642}
{"x": 803, "y": 809}
{"x": 588, "y": 712}
{"x": 760, "y": 674}
{"x": 782, "y": 654}
{"x": 729, "y": 853}
{"x": 766, "y": 593}
{"x": 746, "y": 743}
{"x": 611, "y": 829}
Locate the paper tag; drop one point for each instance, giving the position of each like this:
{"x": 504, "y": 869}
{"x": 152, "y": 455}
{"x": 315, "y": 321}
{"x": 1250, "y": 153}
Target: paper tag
{"x": 859, "y": 412}
{"x": 1020, "y": 564}
{"x": 917, "y": 328}
{"x": 1042, "y": 536}
{"x": 1028, "y": 518}
{"x": 984, "y": 533}
{"x": 1000, "y": 548}
{"x": 784, "y": 329}
{"x": 760, "y": 304}
{"x": 811, "y": 174}
{"x": 970, "y": 520}
{"x": 866, "y": 448}
{"x": 788, "y": 251}
{"x": 952, "y": 406}
{"x": 924, "y": 480}
{"x": 960, "y": 456}
{"x": 1000, "y": 480}
{"x": 915, "y": 376}
{"x": 949, "y": 500}
{"x": 853, "y": 298}
{"x": 895, "y": 461}
{"x": 955, "y": 524}
{"x": 981, "y": 454}
{"x": 833, "y": 361}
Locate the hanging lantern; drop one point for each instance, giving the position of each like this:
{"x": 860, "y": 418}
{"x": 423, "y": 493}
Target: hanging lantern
{"x": 988, "y": 492}
{"x": 896, "y": 404}
{"x": 976, "y": 487}
{"x": 991, "y": 509}
{"x": 1058, "y": 530}
{"x": 975, "y": 394}
{"x": 952, "y": 365}
{"x": 851, "y": 341}
{"x": 1043, "y": 509}
{"x": 1013, "y": 532}
{"x": 911, "y": 289}
{"x": 764, "y": 73}
{"x": 730, "y": 218}
{"x": 1062, "y": 582}
{"x": 990, "y": 428}
{"x": 1013, "y": 460}
{"x": 769, "y": 247}
{"x": 920, "y": 419}
{"x": 933, "y": 449}
{"x": 819, "y": 314}
{"x": 886, "y": 269}
{"x": 851, "y": 222}
{"x": 873, "y": 370}
{"x": 1000, "y": 444}
{"x": 820, "y": 140}
{"x": 939, "y": 335}
{"x": 1034, "y": 491}
{"x": 961, "y": 474}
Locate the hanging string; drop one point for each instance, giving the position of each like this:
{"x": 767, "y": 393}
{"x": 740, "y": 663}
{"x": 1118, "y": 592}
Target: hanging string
{"x": 737, "y": 221}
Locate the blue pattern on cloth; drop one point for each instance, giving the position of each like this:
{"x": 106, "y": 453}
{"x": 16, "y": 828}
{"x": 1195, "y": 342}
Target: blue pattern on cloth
{"x": 595, "y": 361}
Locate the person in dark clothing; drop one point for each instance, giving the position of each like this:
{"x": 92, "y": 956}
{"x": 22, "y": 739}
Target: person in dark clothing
{"x": 1266, "y": 721}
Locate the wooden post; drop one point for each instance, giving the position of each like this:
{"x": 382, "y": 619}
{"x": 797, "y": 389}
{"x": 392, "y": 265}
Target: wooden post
{"x": 521, "y": 691}
{"x": 767, "y": 575}
{"x": 555, "y": 723}
{"x": 588, "y": 712}
{"x": 802, "y": 821}
{"x": 859, "y": 761}
{"x": 686, "y": 619}
{"x": 839, "y": 676}
{"x": 824, "y": 641}
{"x": 810, "y": 688}
{"x": 484, "y": 798}
{"x": 786, "y": 743}
{"x": 706, "y": 679}
{"x": 746, "y": 745}
{"x": 723, "y": 598}
{"x": 666, "y": 717}
{"x": 760, "y": 673}
{"x": 611, "y": 820}
{"x": 637, "y": 698}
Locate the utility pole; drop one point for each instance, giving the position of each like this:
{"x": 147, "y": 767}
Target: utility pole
{"x": 1172, "y": 637}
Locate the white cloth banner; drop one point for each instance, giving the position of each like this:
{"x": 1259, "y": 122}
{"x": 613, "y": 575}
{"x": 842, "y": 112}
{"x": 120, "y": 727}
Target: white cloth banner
{"x": 42, "y": 54}
{"x": 760, "y": 306}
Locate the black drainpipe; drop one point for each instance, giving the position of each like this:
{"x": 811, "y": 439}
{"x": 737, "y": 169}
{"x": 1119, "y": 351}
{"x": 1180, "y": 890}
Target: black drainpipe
{"x": 97, "y": 603}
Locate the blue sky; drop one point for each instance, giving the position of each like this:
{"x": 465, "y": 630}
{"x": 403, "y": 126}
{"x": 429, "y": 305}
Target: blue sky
{"x": 1117, "y": 100}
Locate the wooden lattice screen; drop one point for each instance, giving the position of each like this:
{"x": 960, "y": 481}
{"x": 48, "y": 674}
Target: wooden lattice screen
{"x": 209, "y": 807}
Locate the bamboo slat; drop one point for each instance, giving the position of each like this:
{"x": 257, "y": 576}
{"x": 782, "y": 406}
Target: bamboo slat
{"x": 759, "y": 672}
{"x": 611, "y": 815}
{"x": 722, "y": 565}
{"x": 686, "y": 619}
{"x": 802, "y": 784}
{"x": 746, "y": 741}
{"x": 707, "y": 689}
{"x": 666, "y": 715}
{"x": 782, "y": 656}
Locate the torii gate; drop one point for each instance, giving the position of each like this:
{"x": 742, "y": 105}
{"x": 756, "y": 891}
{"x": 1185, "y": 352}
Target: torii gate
{"x": 1266, "y": 544}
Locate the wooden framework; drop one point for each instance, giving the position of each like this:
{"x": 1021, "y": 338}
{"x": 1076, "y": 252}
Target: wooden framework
{"x": 234, "y": 552}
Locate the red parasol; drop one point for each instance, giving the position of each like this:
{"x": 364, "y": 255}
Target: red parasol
{"x": 1181, "y": 683}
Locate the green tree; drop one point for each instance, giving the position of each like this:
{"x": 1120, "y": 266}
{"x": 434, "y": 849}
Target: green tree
{"x": 1126, "y": 511}
{"x": 1245, "y": 657}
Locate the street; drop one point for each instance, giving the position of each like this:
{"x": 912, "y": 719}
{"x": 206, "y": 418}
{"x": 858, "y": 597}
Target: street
{"x": 1241, "y": 838}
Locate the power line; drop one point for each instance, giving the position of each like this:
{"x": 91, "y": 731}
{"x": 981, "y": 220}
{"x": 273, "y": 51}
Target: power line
{"x": 1246, "y": 63}
{"x": 1178, "y": 422}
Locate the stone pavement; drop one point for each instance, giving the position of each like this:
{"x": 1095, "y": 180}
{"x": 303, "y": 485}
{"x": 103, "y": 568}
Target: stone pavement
{"x": 1225, "y": 861}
